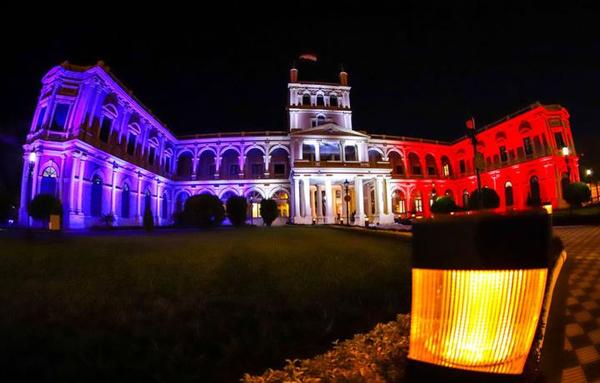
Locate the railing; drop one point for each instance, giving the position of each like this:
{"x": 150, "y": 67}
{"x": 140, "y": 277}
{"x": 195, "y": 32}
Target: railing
{"x": 234, "y": 134}
{"x": 340, "y": 164}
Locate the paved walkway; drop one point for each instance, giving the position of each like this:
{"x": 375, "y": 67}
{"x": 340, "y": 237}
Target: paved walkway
{"x": 582, "y": 343}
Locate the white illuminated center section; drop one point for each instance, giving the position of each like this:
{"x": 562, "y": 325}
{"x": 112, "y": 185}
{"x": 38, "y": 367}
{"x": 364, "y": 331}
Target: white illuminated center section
{"x": 478, "y": 320}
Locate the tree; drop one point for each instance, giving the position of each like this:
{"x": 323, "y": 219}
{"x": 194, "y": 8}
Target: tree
{"x": 148, "y": 221}
{"x": 577, "y": 193}
{"x": 236, "y": 210}
{"x": 443, "y": 205}
{"x": 491, "y": 200}
{"x": 268, "y": 211}
{"x": 42, "y": 206}
{"x": 203, "y": 210}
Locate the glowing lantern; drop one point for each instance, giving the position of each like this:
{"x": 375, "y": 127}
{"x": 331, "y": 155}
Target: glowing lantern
{"x": 548, "y": 208}
{"x": 477, "y": 291}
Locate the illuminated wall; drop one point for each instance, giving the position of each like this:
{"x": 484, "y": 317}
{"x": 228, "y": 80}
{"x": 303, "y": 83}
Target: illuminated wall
{"x": 101, "y": 151}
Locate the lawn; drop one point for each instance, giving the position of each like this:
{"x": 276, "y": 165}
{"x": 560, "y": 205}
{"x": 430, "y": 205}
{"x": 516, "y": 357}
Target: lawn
{"x": 190, "y": 306}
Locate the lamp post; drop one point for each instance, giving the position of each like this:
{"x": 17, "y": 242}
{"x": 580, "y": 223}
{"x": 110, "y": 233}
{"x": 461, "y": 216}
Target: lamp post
{"x": 32, "y": 159}
{"x": 565, "y": 153}
{"x": 478, "y": 159}
{"x": 589, "y": 173}
{"x": 347, "y": 200}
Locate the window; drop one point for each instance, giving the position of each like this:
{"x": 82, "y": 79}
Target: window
{"x": 279, "y": 169}
{"x": 60, "y": 116}
{"x": 308, "y": 152}
{"x": 465, "y": 199}
{"x": 234, "y": 169}
{"x": 40, "y": 119}
{"x": 254, "y": 199}
{"x": 48, "y": 185}
{"x": 508, "y": 194}
{"x": 131, "y": 144}
{"x": 105, "y": 128}
{"x": 257, "y": 169}
{"x": 320, "y": 101}
{"x": 446, "y": 170}
{"x": 350, "y": 153}
{"x": 462, "y": 166}
{"x": 418, "y": 204}
{"x": 125, "y": 199}
{"x": 503, "y": 154}
{"x": 333, "y": 101}
{"x": 527, "y": 146}
{"x": 306, "y": 99}
{"x": 96, "y": 197}
{"x": 151, "y": 155}
{"x": 147, "y": 202}
{"x": 320, "y": 120}
{"x": 168, "y": 164}
{"x": 560, "y": 142}
{"x": 535, "y": 198}
{"x": 329, "y": 151}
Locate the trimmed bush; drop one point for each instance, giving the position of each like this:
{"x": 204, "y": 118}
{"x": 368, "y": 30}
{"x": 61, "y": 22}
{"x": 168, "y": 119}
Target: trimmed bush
{"x": 443, "y": 205}
{"x": 108, "y": 220}
{"x": 148, "y": 220}
{"x": 42, "y": 206}
{"x": 268, "y": 211}
{"x": 491, "y": 200}
{"x": 236, "y": 210}
{"x": 576, "y": 194}
{"x": 203, "y": 210}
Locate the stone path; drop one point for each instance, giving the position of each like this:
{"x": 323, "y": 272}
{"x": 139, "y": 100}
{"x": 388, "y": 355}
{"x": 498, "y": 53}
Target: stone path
{"x": 582, "y": 343}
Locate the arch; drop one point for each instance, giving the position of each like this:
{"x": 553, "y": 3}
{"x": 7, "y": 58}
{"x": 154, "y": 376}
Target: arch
{"x": 279, "y": 163}
{"x": 206, "y": 165}
{"x": 397, "y": 162}
{"x": 398, "y": 202}
{"x": 535, "y": 197}
{"x": 414, "y": 164}
{"x": 207, "y": 148}
{"x": 509, "y": 199}
{"x": 524, "y": 127}
{"x": 431, "y": 165}
{"x": 375, "y": 155}
{"x": 279, "y": 146}
{"x": 254, "y": 197}
{"x": 110, "y": 109}
{"x": 320, "y": 99}
{"x": 134, "y": 127}
{"x": 446, "y": 166}
{"x": 164, "y": 211}
{"x": 96, "y": 196}
{"x": 184, "y": 164}
{"x": 306, "y": 98}
{"x": 182, "y": 196}
{"x": 125, "y": 201}
{"x": 48, "y": 184}
{"x": 282, "y": 197}
{"x": 254, "y": 164}
{"x": 228, "y": 193}
{"x": 230, "y": 163}
{"x": 333, "y": 100}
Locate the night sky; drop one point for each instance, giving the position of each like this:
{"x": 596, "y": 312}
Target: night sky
{"x": 414, "y": 72}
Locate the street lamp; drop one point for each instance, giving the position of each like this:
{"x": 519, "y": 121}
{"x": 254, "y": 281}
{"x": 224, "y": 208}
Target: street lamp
{"x": 565, "y": 153}
{"x": 347, "y": 199}
{"x": 32, "y": 159}
{"x": 589, "y": 173}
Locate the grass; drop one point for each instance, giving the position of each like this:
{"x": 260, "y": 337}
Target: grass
{"x": 190, "y": 306}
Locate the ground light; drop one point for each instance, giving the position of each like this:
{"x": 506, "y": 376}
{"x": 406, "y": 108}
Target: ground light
{"x": 477, "y": 293}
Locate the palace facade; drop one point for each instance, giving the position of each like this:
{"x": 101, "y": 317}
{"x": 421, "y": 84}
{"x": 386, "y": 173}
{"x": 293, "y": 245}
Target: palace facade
{"x": 101, "y": 151}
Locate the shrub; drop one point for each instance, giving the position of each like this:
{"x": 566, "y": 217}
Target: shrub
{"x": 42, "y": 206}
{"x": 203, "y": 210}
{"x": 236, "y": 210}
{"x": 268, "y": 211}
{"x": 148, "y": 221}
{"x": 577, "y": 193}
{"x": 443, "y": 205}
{"x": 108, "y": 220}
{"x": 491, "y": 200}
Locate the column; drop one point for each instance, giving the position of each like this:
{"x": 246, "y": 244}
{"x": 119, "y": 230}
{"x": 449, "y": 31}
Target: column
{"x": 329, "y": 201}
{"x": 195, "y": 165}
{"x": 241, "y": 162}
{"x": 113, "y": 189}
{"x": 296, "y": 197}
{"x": 217, "y": 165}
{"x": 359, "y": 219}
{"x": 139, "y": 198}
{"x": 306, "y": 199}
{"x": 319, "y": 204}
{"x": 313, "y": 204}
{"x": 158, "y": 197}
{"x": 267, "y": 159}
{"x": 389, "y": 215}
{"x": 379, "y": 198}
{"x": 82, "y": 161}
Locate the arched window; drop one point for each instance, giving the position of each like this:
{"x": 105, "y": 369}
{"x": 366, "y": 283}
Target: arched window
{"x": 48, "y": 185}
{"x": 535, "y": 198}
{"x": 254, "y": 199}
{"x": 96, "y": 197}
{"x": 431, "y": 166}
{"x": 446, "y": 168}
{"x": 125, "y": 201}
{"x": 350, "y": 153}
{"x": 147, "y": 201}
{"x": 398, "y": 202}
{"x": 164, "y": 214}
{"x": 417, "y": 203}
{"x": 184, "y": 165}
{"x": 282, "y": 199}
{"x": 320, "y": 101}
{"x": 397, "y": 163}
{"x": 414, "y": 164}
{"x": 465, "y": 198}
{"x": 308, "y": 152}
{"x": 306, "y": 99}
{"x": 333, "y": 100}
{"x": 105, "y": 128}
{"x": 508, "y": 194}
{"x": 320, "y": 120}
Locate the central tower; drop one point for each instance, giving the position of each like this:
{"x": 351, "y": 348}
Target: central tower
{"x": 312, "y": 104}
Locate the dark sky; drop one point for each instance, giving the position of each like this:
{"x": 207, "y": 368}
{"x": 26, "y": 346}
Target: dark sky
{"x": 414, "y": 72}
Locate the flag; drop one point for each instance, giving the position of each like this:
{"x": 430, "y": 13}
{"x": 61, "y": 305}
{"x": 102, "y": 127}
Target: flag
{"x": 308, "y": 57}
{"x": 470, "y": 123}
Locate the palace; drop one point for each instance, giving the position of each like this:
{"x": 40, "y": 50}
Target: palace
{"x": 101, "y": 151}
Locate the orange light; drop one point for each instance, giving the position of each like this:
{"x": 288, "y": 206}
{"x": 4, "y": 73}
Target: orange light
{"x": 548, "y": 208}
{"x": 478, "y": 320}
